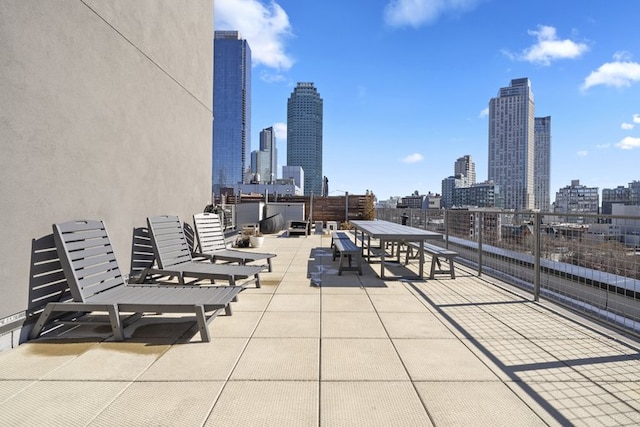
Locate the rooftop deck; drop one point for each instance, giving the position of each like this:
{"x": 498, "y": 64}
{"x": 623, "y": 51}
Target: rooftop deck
{"x": 311, "y": 348}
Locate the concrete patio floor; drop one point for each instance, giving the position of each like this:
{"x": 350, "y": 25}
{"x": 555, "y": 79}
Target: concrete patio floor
{"x": 311, "y": 348}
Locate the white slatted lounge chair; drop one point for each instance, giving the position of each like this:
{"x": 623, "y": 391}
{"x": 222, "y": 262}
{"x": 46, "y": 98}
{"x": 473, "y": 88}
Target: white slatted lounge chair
{"x": 173, "y": 256}
{"x": 212, "y": 244}
{"x": 96, "y": 284}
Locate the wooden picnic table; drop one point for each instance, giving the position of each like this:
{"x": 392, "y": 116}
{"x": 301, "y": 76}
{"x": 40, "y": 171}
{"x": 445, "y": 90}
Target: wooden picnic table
{"x": 396, "y": 234}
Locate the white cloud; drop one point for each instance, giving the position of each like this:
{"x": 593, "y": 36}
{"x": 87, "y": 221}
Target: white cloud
{"x": 629, "y": 143}
{"x": 484, "y": 113}
{"x": 413, "y": 158}
{"x": 271, "y": 77}
{"x": 617, "y": 74}
{"x": 622, "y": 56}
{"x": 550, "y": 48}
{"x": 603, "y": 146}
{"x": 582, "y": 153}
{"x": 281, "y": 131}
{"x": 265, "y": 27}
{"x": 401, "y": 13}
{"x": 628, "y": 126}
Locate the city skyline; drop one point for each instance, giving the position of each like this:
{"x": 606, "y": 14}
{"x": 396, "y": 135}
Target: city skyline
{"x": 407, "y": 88}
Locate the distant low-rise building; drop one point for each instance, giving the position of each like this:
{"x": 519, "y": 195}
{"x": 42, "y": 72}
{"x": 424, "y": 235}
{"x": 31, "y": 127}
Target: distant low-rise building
{"x": 279, "y": 187}
{"x": 482, "y": 195}
{"x": 629, "y": 196}
{"x": 630, "y": 230}
{"x": 577, "y": 198}
{"x": 434, "y": 201}
{"x": 295, "y": 174}
{"x": 415, "y": 201}
{"x": 449, "y": 184}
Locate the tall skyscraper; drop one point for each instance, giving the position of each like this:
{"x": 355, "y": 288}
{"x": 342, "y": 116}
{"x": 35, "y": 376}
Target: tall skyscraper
{"x": 231, "y": 109}
{"x": 465, "y": 166}
{"x": 512, "y": 144}
{"x": 268, "y": 144}
{"x": 304, "y": 135}
{"x": 264, "y": 161}
{"x": 542, "y": 164}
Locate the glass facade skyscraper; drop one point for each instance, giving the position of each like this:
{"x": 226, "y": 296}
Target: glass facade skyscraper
{"x": 304, "y": 135}
{"x": 231, "y": 109}
{"x": 512, "y": 144}
{"x": 268, "y": 144}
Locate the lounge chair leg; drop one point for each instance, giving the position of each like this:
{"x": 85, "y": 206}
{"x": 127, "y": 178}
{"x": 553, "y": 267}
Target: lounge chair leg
{"x": 116, "y": 325}
{"x": 42, "y": 320}
{"x": 202, "y": 323}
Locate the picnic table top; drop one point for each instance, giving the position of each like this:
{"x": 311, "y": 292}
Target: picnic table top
{"x": 392, "y": 231}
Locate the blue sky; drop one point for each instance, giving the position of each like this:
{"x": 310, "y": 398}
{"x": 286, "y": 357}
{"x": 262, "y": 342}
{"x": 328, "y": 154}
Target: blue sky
{"x": 406, "y": 83}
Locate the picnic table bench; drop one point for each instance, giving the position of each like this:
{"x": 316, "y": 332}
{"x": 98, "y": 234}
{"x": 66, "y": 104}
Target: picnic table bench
{"x": 346, "y": 249}
{"x": 436, "y": 253}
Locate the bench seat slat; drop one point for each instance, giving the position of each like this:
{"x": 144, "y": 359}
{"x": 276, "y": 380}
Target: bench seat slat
{"x": 346, "y": 249}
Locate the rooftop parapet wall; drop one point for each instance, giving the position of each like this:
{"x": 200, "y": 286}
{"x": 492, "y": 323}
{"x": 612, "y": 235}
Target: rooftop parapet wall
{"x": 105, "y": 113}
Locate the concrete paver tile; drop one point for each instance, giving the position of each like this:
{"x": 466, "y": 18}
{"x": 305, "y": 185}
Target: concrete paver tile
{"x": 294, "y": 302}
{"x": 441, "y": 360}
{"x": 59, "y": 403}
{"x": 111, "y": 361}
{"x": 267, "y": 404}
{"x": 475, "y": 404}
{"x": 291, "y": 324}
{"x": 358, "y": 359}
{"x": 197, "y": 361}
{"x": 359, "y": 324}
{"x": 350, "y": 302}
{"x": 371, "y": 403}
{"x": 279, "y": 359}
{"x": 415, "y": 325}
{"x": 34, "y": 360}
{"x": 161, "y": 403}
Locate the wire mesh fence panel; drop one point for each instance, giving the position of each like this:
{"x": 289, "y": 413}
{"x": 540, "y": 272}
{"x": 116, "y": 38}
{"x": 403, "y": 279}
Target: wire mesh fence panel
{"x": 590, "y": 263}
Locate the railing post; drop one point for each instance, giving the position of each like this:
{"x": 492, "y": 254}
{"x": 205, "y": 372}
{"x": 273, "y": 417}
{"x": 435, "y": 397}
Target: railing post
{"x": 536, "y": 256}
{"x": 479, "y": 223}
{"x": 346, "y": 206}
{"x": 446, "y": 229}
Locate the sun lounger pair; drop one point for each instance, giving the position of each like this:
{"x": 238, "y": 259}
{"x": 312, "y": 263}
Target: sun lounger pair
{"x": 96, "y": 284}
{"x": 174, "y": 256}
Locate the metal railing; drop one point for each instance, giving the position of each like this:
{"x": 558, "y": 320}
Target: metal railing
{"x": 590, "y": 263}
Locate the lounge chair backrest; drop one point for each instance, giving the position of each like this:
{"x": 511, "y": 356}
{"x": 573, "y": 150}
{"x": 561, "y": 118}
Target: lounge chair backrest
{"x": 87, "y": 258}
{"x": 170, "y": 245}
{"x": 209, "y": 232}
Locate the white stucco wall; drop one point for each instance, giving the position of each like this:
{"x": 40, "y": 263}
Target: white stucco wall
{"x": 105, "y": 113}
